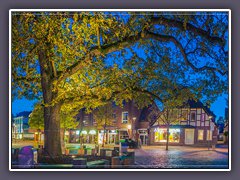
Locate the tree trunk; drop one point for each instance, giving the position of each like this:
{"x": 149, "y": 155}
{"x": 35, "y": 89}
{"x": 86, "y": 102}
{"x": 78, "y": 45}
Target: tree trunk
{"x": 52, "y": 140}
{"x": 103, "y": 141}
{"x": 167, "y": 138}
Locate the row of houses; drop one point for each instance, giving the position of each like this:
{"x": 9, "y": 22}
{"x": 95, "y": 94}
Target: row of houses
{"x": 195, "y": 127}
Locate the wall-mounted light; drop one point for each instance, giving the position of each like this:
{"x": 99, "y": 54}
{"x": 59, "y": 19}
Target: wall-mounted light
{"x": 129, "y": 126}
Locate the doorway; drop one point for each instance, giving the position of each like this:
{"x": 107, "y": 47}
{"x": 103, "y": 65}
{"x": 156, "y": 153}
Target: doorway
{"x": 144, "y": 139}
{"x": 189, "y": 136}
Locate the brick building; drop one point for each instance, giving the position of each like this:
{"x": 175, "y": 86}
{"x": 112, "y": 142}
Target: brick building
{"x": 196, "y": 126}
{"x": 127, "y": 122}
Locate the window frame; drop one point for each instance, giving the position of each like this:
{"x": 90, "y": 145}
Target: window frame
{"x": 123, "y": 120}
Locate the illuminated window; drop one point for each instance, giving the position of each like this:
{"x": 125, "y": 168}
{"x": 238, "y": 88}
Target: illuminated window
{"x": 200, "y": 134}
{"x": 125, "y": 117}
{"x": 161, "y": 135}
{"x": 209, "y": 135}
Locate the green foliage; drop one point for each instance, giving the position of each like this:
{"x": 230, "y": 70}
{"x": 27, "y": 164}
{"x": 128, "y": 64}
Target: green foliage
{"x": 86, "y": 39}
{"x": 67, "y": 118}
{"x": 103, "y": 116}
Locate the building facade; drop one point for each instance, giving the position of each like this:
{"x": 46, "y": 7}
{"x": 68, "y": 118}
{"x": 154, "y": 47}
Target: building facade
{"x": 127, "y": 122}
{"x": 20, "y": 127}
{"x": 195, "y": 126}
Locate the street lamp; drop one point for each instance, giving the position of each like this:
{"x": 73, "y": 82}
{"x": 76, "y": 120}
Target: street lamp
{"x": 129, "y": 127}
{"x": 210, "y": 119}
{"x": 133, "y": 127}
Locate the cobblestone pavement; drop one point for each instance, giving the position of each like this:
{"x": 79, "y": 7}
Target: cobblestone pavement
{"x": 181, "y": 157}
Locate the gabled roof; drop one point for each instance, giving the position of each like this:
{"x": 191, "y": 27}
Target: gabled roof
{"x": 197, "y": 104}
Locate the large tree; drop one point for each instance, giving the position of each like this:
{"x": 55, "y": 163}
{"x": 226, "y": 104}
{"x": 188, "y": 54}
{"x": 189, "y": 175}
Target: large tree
{"x": 82, "y": 59}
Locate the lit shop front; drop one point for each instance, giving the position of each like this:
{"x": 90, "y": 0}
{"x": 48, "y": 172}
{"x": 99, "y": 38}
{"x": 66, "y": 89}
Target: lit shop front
{"x": 160, "y": 135}
{"x": 87, "y": 136}
{"x": 110, "y": 137}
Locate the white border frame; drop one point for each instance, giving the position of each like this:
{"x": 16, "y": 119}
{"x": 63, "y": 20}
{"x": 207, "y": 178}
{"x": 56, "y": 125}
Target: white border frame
{"x": 120, "y": 10}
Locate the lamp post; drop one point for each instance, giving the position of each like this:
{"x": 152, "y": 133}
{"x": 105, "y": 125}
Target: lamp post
{"x": 210, "y": 119}
{"x": 133, "y": 127}
{"x": 129, "y": 127}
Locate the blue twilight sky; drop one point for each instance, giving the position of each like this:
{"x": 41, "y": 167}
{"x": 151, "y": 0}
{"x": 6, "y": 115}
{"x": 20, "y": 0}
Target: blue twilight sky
{"x": 218, "y": 107}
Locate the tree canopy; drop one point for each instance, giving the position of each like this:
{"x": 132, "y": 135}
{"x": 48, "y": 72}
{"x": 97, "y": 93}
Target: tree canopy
{"x": 159, "y": 47}
{"x": 84, "y": 59}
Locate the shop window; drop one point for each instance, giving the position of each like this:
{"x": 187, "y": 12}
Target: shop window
{"x": 200, "y": 134}
{"x": 161, "y": 135}
{"x": 125, "y": 117}
{"x": 209, "y": 135}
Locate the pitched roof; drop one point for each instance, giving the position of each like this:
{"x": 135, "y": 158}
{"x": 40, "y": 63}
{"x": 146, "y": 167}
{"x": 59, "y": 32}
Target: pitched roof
{"x": 197, "y": 104}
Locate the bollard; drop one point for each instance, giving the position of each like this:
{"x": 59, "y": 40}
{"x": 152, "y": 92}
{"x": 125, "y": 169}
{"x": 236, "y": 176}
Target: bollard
{"x": 79, "y": 163}
{"x": 116, "y": 163}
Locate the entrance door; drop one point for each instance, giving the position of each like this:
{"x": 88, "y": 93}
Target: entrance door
{"x": 189, "y": 136}
{"x": 144, "y": 139}
{"x": 111, "y": 139}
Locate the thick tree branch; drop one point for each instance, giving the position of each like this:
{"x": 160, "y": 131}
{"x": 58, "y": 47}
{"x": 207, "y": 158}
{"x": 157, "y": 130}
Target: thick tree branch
{"x": 130, "y": 40}
{"x": 167, "y": 38}
{"x": 197, "y": 31}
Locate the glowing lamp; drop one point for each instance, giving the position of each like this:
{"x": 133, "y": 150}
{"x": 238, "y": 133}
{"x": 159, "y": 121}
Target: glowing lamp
{"x": 92, "y": 132}
{"x": 84, "y": 132}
